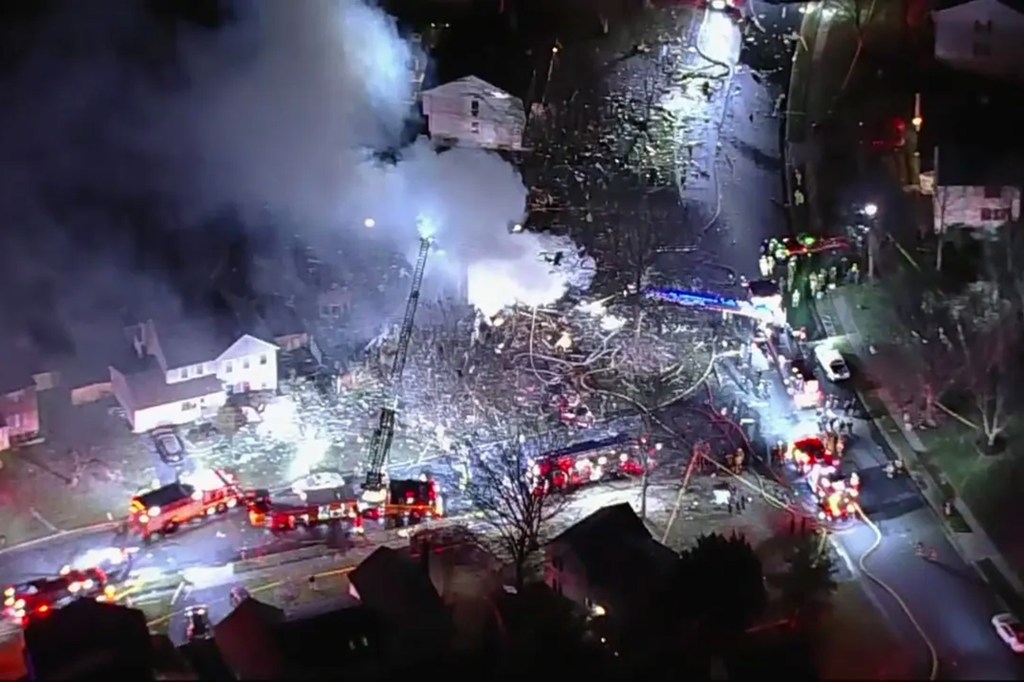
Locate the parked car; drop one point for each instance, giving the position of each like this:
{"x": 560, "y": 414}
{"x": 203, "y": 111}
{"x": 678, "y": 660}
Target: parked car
{"x": 1010, "y": 630}
{"x": 169, "y": 445}
{"x": 832, "y": 362}
{"x": 197, "y": 623}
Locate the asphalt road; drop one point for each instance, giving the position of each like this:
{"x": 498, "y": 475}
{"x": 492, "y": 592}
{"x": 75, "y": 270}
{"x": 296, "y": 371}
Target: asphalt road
{"x": 950, "y": 602}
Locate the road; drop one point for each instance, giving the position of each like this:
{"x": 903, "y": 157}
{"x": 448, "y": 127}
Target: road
{"x": 952, "y": 605}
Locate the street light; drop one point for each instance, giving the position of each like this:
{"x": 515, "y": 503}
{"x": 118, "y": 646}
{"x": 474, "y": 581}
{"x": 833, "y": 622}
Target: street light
{"x": 870, "y": 210}
{"x": 369, "y": 223}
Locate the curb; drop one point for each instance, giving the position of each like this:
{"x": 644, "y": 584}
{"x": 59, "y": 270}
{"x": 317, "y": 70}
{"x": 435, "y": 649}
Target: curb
{"x": 28, "y": 544}
{"x": 921, "y": 473}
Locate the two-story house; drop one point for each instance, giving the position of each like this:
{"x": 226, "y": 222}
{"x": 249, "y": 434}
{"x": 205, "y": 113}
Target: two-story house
{"x": 473, "y": 113}
{"x": 981, "y": 37}
{"x": 19, "y": 406}
{"x": 193, "y": 369}
{"x": 610, "y": 564}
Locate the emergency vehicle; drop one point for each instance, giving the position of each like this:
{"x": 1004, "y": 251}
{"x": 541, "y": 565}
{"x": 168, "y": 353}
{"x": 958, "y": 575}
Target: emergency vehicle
{"x": 163, "y": 510}
{"x": 589, "y": 462}
{"x": 408, "y": 502}
{"x": 39, "y": 598}
{"x": 316, "y": 507}
{"x": 807, "y": 453}
{"x": 803, "y": 385}
{"x": 836, "y": 496}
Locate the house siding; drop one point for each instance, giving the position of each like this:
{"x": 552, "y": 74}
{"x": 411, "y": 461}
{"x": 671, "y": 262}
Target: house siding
{"x": 468, "y": 112}
{"x": 91, "y": 393}
{"x": 20, "y": 410}
{"x": 981, "y": 37}
{"x": 119, "y": 387}
{"x": 969, "y": 207}
{"x": 176, "y": 413}
{"x": 250, "y": 372}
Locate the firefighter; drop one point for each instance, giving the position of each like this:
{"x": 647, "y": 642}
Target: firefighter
{"x": 854, "y": 275}
{"x": 795, "y": 300}
{"x": 738, "y": 460}
{"x": 890, "y": 470}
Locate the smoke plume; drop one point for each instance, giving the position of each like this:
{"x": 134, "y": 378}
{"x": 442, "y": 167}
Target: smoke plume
{"x": 281, "y": 110}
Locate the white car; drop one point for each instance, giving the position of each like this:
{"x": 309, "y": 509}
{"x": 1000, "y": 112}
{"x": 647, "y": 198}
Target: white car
{"x": 1010, "y": 631}
{"x": 831, "y": 362}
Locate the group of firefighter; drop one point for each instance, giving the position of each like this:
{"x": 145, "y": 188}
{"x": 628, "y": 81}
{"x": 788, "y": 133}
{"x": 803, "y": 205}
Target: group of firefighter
{"x": 819, "y": 281}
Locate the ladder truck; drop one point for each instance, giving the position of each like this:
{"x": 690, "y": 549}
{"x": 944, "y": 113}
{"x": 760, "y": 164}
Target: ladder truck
{"x": 376, "y": 488}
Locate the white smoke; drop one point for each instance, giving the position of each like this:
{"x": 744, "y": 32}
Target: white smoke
{"x": 281, "y": 112}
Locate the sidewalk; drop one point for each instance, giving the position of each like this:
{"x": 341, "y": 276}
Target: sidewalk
{"x": 970, "y": 540}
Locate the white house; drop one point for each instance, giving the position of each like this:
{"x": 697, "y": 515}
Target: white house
{"x": 974, "y": 188}
{"x": 473, "y": 113}
{"x": 149, "y": 401}
{"x": 980, "y": 36}
{"x": 196, "y": 367}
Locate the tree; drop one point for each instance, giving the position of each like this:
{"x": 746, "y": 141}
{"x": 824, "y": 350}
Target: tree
{"x": 515, "y": 505}
{"x": 230, "y": 419}
{"x": 987, "y": 330}
{"x": 723, "y": 581}
{"x": 808, "y": 584}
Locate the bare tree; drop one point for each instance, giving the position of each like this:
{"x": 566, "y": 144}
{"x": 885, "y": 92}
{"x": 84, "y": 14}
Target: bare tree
{"x": 987, "y": 330}
{"x": 516, "y": 506}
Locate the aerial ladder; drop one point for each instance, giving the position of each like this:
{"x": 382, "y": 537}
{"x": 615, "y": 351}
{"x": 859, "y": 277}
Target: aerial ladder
{"x": 374, "y": 487}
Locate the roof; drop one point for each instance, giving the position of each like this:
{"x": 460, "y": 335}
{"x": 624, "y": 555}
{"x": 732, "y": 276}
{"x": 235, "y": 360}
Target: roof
{"x": 14, "y": 375}
{"x": 614, "y": 546}
{"x": 332, "y": 642}
{"x": 150, "y": 388}
{"x": 90, "y": 640}
{"x": 940, "y": 5}
{"x": 246, "y": 640}
{"x": 194, "y": 342}
{"x": 394, "y": 585}
{"x": 960, "y": 165}
{"x": 588, "y": 445}
{"x": 95, "y": 350}
{"x": 164, "y": 495}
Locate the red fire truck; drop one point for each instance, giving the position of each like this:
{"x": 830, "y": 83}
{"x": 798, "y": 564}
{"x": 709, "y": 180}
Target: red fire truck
{"x": 39, "y": 598}
{"x": 589, "y": 462}
{"x": 316, "y": 507}
{"x": 408, "y": 502}
{"x": 164, "y": 510}
{"x": 806, "y": 453}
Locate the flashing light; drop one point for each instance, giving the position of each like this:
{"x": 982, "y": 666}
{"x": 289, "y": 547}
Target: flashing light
{"x": 74, "y": 587}
{"x": 369, "y": 223}
{"x": 870, "y": 210}
{"x": 143, "y": 518}
{"x": 109, "y": 590}
{"x": 153, "y": 511}
{"x": 19, "y": 604}
{"x": 44, "y": 608}
{"x": 9, "y": 602}
{"x": 9, "y": 592}
{"x": 64, "y": 570}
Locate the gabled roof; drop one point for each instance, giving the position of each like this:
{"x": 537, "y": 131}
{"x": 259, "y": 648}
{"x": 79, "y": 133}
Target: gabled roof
{"x": 150, "y": 388}
{"x": 395, "y": 585}
{"x": 192, "y": 342}
{"x": 475, "y": 82}
{"x": 247, "y": 345}
{"x": 246, "y": 640}
{"x": 90, "y": 640}
{"x": 340, "y": 641}
{"x": 941, "y": 5}
{"x": 617, "y": 551}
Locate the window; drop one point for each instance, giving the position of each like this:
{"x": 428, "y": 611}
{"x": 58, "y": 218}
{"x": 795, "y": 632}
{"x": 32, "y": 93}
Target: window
{"x": 981, "y": 50}
{"x": 184, "y": 372}
{"x": 245, "y": 363}
{"x": 15, "y": 420}
{"x": 263, "y": 359}
{"x": 475, "y": 127}
{"x": 198, "y": 370}
{"x": 325, "y": 310}
{"x": 227, "y": 367}
{"x": 993, "y": 192}
{"x": 983, "y": 27}
{"x": 209, "y": 368}
{"x": 188, "y": 405}
{"x": 474, "y": 108}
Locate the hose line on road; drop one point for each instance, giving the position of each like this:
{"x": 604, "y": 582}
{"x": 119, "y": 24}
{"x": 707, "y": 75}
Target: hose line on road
{"x": 862, "y": 564}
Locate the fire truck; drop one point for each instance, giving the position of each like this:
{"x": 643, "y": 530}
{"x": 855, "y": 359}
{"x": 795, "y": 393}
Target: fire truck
{"x": 807, "y": 453}
{"x": 165, "y": 509}
{"x": 589, "y": 462}
{"x": 39, "y": 598}
{"x": 408, "y": 502}
{"x": 315, "y": 507}
{"x": 836, "y": 496}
